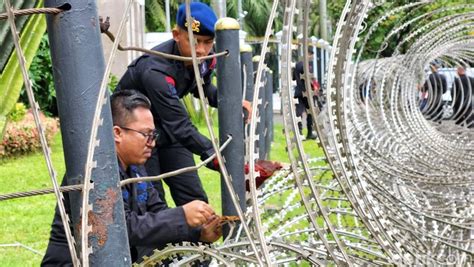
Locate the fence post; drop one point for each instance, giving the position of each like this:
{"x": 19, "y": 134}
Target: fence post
{"x": 247, "y": 71}
{"x": 76, "y": 52}
{"x": 230, "y": 111}
{"x": 261, "y": 112}
{"x": 268, "y": 114}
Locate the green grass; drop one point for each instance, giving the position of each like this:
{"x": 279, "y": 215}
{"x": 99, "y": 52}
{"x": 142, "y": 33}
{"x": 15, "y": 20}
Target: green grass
{"x": 28, "y": 220}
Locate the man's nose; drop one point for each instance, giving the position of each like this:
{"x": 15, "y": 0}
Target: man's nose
{"x": 151, "y": 144}
{"x": 200, "y": 48}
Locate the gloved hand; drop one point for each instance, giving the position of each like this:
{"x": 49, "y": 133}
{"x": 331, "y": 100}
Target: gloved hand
{"x": 265, "y": 168}
{"x": 213, "y": 165}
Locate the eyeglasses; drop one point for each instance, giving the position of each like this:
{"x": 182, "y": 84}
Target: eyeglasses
{"x": 150, "y": 137}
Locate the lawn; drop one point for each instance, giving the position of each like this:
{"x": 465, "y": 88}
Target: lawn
{"x": 27, "y": 220}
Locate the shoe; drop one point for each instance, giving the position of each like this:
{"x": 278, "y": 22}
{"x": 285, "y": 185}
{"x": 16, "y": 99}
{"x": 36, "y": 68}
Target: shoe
{"x": 311, "y": 136}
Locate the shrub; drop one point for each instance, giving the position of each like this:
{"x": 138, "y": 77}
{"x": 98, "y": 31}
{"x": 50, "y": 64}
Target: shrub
{"x": 41, "y": 76}
{"x": 22, "y": 137}
{"x": 17, "y": 113}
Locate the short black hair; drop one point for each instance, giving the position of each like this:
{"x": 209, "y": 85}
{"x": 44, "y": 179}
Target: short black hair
{"x": 124, "y": 102}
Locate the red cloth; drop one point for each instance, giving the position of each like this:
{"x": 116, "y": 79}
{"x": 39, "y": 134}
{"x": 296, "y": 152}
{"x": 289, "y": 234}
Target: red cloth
{"x": 265, "y": 168}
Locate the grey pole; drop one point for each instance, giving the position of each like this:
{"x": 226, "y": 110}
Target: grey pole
{"x": 220, "y": 7}
{"x": 168, "y": 17}
{"x": 323, "y": 63}
{"x": 230, "y": 110}
{"x": 323, "y": 19}
{"x": 76, "y": 52}
{"x": 247, "y": 70}
{"x": 268, "y": 113}
{"x": 319, "y": 63}
{"x": 261, "y": 113}
{"x": 315, "y": 59}
{"x": 240, "y": 15}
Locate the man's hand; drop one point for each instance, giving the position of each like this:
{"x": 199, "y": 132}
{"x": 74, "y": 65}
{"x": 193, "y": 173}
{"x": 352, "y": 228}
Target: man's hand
{"x": 212, "y": 230}
{"x": 197, "y": 213}
{"x": 247, "y": 110}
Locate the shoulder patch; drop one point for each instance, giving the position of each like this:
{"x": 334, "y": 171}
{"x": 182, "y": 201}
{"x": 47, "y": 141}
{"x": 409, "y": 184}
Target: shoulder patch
{"x": 171, "y": 86}
{"x": 170, "y": 80}
{"x": 213, "y": 63}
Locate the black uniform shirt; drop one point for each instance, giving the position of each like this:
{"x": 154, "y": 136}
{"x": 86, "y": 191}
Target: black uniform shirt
{"x": 150, "y": 223}
{"x": 462, "y": 92}
{"x": 164, "y": 82}
{"x": 298, "y": 75}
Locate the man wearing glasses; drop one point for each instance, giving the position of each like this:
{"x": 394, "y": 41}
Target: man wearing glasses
{"x": 150, "y": 223}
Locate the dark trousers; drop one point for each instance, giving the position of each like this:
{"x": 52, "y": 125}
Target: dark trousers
{"x": 57, "y": 253}
{"x": 184, "y": 187}
{"x": 301, "y": 107}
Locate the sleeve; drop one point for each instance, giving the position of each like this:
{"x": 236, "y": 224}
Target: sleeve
{"x": 210, "y": 91}
{"x": 173, "y": 115}
{"x": 159, "y": 225}
{"x": 294, "y": 75}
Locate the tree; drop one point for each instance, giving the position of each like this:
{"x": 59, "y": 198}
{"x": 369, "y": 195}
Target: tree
{"x": 11, "y": 79}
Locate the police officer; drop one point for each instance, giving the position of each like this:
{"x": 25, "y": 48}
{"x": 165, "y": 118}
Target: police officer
{"x": 303, "y": 105}
{"x": 165, "y": 82}
{"x": 435, "y": 86}
{"x": 463, "y": 91}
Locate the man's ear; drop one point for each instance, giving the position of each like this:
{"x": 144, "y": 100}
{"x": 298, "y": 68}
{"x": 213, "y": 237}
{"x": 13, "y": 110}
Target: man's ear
{"x": 176, "y": 32}
{"x": 117, "y": 134}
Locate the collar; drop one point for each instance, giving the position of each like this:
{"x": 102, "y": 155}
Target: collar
{"x": 124, "y": 174}
{"x": 180, "y": 64}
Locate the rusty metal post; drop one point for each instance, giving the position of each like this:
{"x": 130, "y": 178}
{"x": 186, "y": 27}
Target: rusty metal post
{"x": 230, "y": 111}
{"x": 78, "y": 67}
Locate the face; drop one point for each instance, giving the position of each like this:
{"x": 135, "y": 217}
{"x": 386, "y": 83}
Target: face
{"x": 203, "y": 44}
{"x": 132, "y": 147}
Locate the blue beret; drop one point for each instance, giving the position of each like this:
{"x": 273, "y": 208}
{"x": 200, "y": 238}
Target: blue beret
{"x": 204, "y": 18}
